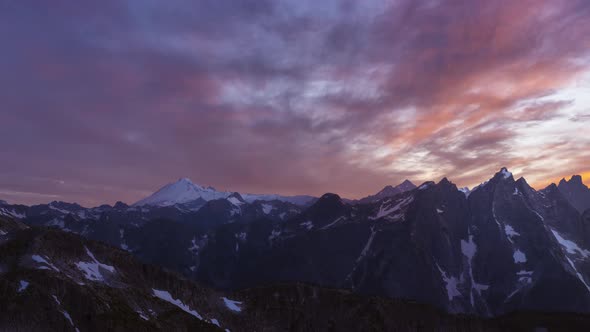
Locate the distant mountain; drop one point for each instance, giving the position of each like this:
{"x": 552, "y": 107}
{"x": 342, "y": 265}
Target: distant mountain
{"x": 180, "y": 192}
{"x": 184, "y": 191}
{"x": 576, "y": 192}
{"x": 388, "y": 191}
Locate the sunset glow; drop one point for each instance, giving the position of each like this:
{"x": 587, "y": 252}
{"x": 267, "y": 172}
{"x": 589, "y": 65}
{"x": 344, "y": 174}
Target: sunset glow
{"x": 109, "y": 101}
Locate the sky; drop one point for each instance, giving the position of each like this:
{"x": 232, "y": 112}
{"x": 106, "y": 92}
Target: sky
{"x": 109, "y": 100}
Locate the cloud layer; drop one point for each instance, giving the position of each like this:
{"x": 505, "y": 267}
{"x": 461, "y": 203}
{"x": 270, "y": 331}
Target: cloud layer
{"x": 108, "y": 100}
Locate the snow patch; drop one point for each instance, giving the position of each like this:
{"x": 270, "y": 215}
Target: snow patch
{"x": 142, "y": 314}
{"x": 439, "y": 211}
{"x": 12, "y": 213}
{"x": 510, "y": 232}
{"x": 570, "y": 246}
{"x": 385, "y": 211}
{"x": 367, "y": 246}
{"x": 578, "y": 274}
{"x": 308, "y": 225}
{"x": 92, "y": 270}
{"x": 465, "y": 191}
{"x": 424, "y": 186}
{"x": 494, "y": 215}
{"x": 334, "y": 222}
{"x": 505, "y": 173}
{"x": 215, "y": 322}
{"x": 519, "y": 257}
{"x": 69, "y": 318}
{"x": 450, "y": 282}
{"x": 58, "y": 209}
{"x": 232, "y": 305}
{"x": 164, "y": 295}
{"x": 469, "y": 248}
{"x": 65, "y": 313}
{"x": 22, "y": 286}
{"x": 235, "y": 201}
{"x": 267, "y": 208}
{"x": 41, "y": 260}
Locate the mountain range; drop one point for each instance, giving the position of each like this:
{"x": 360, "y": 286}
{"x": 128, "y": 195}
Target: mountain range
{"x": 500, "y": 249}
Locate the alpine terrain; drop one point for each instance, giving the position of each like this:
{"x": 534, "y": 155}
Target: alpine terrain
{"x": 500, "y": 256}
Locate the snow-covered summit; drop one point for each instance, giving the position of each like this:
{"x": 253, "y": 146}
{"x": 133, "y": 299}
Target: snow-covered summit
{"x": 184, "y": 191}
{"x": 179, "y": 192}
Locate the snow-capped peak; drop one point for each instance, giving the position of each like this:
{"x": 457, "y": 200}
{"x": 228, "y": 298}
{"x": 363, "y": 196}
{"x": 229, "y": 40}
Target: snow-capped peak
{"x": 184, "y": 191}
{"x": 179, "y": 192}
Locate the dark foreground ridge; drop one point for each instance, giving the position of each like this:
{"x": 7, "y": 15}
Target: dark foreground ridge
{"x": 57, "y": 281}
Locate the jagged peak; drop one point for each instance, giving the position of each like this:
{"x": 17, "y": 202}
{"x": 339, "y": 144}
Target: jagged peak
{"x": 445, "y": 181}
{"x": 523, "y": 181}
{"x": 406, "y": 184}
{"x": 551, "y": 187}
{"x": 386, "y": 188}
{"x": 504, "y": 173}
{"x": 576, "y": 179}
